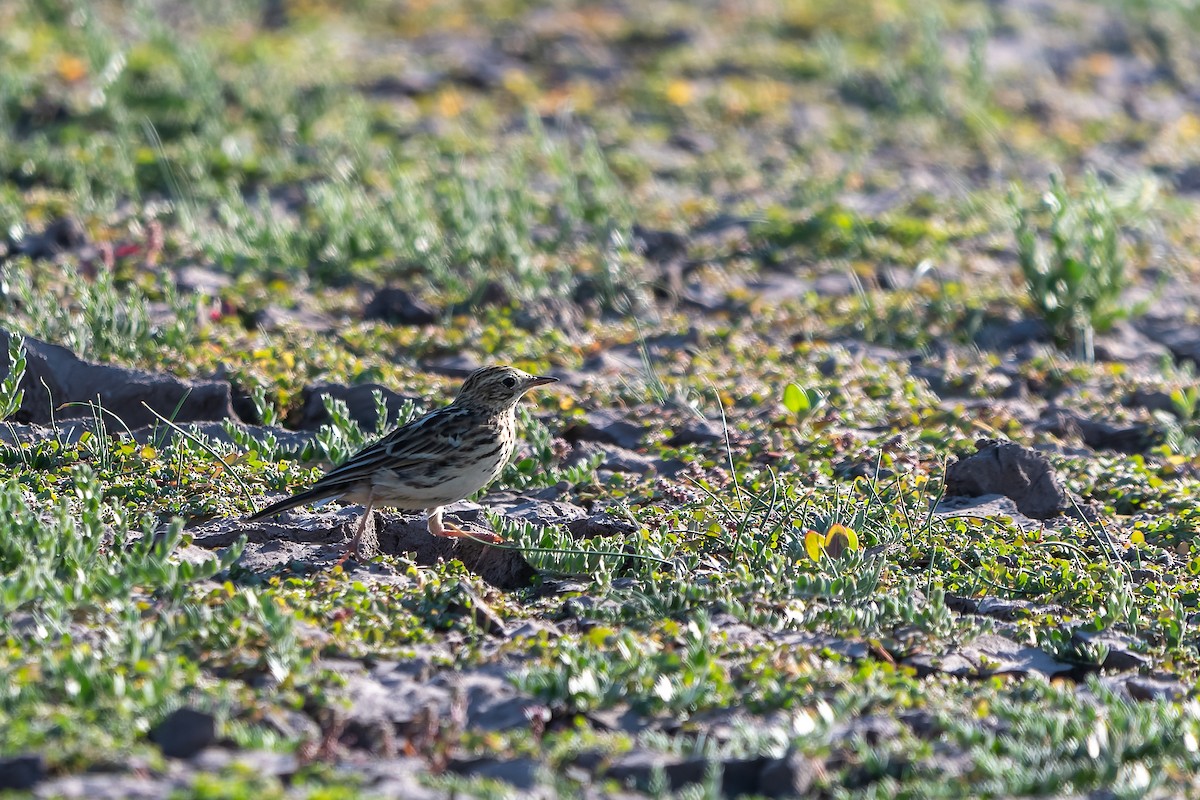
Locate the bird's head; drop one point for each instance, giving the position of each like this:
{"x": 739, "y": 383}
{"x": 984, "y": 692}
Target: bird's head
{"x": 497, "y": 388}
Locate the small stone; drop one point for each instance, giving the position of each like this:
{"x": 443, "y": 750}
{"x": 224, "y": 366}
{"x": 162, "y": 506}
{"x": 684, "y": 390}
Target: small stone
{"x": 702, "y": 431}
{"x": 519, "y": 772}
{"x": 185, "y": 732}
{"x": 606, "y": 427}
{"x": 790, "y": 776}
{"x": 399, "y": 307}
{"x": 21, "y": 772}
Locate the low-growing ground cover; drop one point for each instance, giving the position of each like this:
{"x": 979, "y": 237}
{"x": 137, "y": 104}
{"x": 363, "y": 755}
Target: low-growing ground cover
{"x": 792, "y": 263}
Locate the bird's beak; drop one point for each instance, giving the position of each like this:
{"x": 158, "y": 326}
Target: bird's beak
{"x": 539, "y": 381}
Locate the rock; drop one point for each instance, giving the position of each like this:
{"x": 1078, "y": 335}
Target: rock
{"x": 1100, "y": 435}
{"x": 659, "y": 246}
{"x": 1151, "y": 400}
{"x": 739, "y": 776}
{"x": 101, "y": 786}
{"x": 988, "y": 506}
{"x": 606, "y": 427}
{"x": 393, "y": 778}
{"x": 1182, "y": 339}
{"x": 923, "y": 724}
{"x": 184, "y": 732}
{"x": 263, "y": 763}
{"x": 602, "y": 524}
{"x": 1126, "y": 344}
{"x": 55, "y": 376}
{"x": 542, "y": 513}
{"x": 21, "y": 772}
{"x": 359, "y": 400}
{"x": 988, "y": 655}
{"x": 872, "y": 729}
{"x": 457, "y": 366}
{"x": 1008, "y": 610}
{"x": 1145, "y": 688}
{"x": 1121, "y": 654}
{"x": 399, "y": 307}
{"x": 200, "y": 280}
{"x": 697, "y": 431}
{"x": 790, "y": 776}
{"x": 519, "y": 772}
{"x": 62, "y": 235}
{"x": 276, "y": 318}
{"x": 614, "y": 458}
{"x": 1020, "y": 473}
{"x": 501, "y": 567}
{"x": 1002, "y": 335}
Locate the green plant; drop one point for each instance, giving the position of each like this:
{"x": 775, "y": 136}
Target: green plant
{"x": 1076, "y": 263}
{"x": 11, "y": 394}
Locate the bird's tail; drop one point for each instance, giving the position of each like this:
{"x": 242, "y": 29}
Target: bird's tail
{"x": 309, "y": 496}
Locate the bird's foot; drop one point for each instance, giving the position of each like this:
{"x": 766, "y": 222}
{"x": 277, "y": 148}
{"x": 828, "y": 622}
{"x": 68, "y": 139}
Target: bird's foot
{"x": 351, "y": 553}
{"x": 449, "y": 530}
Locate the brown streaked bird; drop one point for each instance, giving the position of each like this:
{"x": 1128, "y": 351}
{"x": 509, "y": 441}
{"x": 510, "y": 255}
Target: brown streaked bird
{"x": 440, "y": 458}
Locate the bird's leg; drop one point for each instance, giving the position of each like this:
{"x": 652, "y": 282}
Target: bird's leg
{"x": 356, "y": 541}
{"x": 451, "y": 531}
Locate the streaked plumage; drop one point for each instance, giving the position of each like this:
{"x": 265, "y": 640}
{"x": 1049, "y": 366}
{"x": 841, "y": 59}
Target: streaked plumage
{"x": 440, "y": 458}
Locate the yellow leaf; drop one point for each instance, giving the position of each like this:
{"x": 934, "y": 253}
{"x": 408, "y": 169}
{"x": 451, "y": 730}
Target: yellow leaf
{"x": 680, "y": 92}
{"x": 814, "y": 543}
{"x": 1137, "y": 538}
{"x": 149, "y": 453}
{"x": 839, "y": 539}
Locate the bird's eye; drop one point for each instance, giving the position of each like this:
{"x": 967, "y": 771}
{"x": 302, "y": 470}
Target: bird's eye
{"x": 509, "y": 382}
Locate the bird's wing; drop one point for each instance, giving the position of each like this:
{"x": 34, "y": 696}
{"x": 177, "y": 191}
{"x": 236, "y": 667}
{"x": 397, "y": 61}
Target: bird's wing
{"x": 433, "y": 437}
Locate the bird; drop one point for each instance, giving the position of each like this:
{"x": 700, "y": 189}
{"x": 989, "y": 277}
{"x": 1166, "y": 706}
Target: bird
{"x": 440, "y": 458}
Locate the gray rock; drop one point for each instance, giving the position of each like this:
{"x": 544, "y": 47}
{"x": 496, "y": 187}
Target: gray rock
{"x": 614, "y": 458}
{"x": 257, "y": 762}
{"x": 790, "y": 776}
{"x": 543, "y": 513}
{"x": 99, "y": 786}
{"x": 502, "y": 567}
{"x": 359, "y": 400}
{"x": 872, "y": 729}
{"x": 602, "y": 524}
{"x": 988, "y": 506}
{"x": 1122, "y": 651}
{"x": 738, "y": 776}
{"x": 697, "y": 431}
{"x": 397, "y": 778}
{"x": 61, "y": 235}
{"x": 399, "y": 307}
{"x": 988, "y": 655}
{"x": 519, "y": 772}
{"x": 185, "y": 732}
{"x": 1023, "y": 474}
{"x": 21, "y": 772}
{"x": 606, "y": 427}
{"x": 275, "y": 318}
{"x": 201, "y": 280}
{"x": 1126, "y": 344}
{"x": 1145, "y": 689}
{"x": 1100, "y": 435}
{"x": 55, "y": 376}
